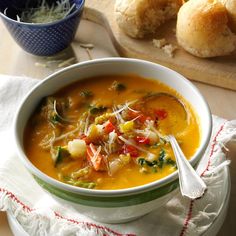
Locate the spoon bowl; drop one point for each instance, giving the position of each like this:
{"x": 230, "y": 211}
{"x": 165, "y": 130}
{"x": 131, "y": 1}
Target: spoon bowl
{"x": 191, "y": 184}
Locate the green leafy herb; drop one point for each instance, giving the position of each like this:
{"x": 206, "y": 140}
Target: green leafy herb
{"x": 55, "y": 116}
{"x": 117, "y": 86}
{"x": 61, "y": 154}
{"x": 53, "y": 109}
{"x": 143, "y": 162}
{"x": 171, "y": 162}
{"x": 86, "y": 94}
{"x": 154, "y": 164}
{"x": 81, "y": 172}
{"x": 151, "y": 164}
{"x": 97, "y": 110}
{"x": 161, "y": 158}
{"x": 154, "y": 169}
{"x": 54, "y": 119}
{"x": 82, "y": 184}
{"x": 120, "y": 87}
{"x": 162, "y": 141}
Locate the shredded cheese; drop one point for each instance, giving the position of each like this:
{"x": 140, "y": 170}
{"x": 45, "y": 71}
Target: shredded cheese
{"x": 150, "y": 125}
{"x": 86, "y": 45}
{"x": 48, "y": 141}
{"x": 86, "y": 125}
{"x": 67, "y": 62}
{"x": 95, "y": 153}
{"x": 89, "y": 53}
{"x": 67, "y": 134}
{"x": 45, "y": 13}
{"x": 5, "y": 11}
{"x": 122, "y": 108}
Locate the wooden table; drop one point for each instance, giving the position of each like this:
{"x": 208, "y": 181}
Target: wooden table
{"x": 14, "y": 61}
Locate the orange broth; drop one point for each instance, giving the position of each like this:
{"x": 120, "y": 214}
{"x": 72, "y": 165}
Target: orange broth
{"x": 39, "y": 130}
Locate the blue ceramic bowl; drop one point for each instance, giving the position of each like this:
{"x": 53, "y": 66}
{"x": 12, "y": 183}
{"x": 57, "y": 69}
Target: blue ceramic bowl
{"x": 41, "y": 39}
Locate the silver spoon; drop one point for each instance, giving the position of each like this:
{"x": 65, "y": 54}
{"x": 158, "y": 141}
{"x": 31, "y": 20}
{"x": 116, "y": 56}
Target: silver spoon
{"x": 191, "y": 184}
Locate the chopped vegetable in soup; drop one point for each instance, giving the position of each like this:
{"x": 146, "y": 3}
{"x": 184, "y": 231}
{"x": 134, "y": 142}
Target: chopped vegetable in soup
{"x": 109, "y": 132}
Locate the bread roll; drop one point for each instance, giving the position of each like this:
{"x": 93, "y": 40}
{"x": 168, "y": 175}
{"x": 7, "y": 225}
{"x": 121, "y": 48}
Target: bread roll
{"x": 139, "y": 18}
{"x": 202, "y": 29}
{"x": 231, "y": 9}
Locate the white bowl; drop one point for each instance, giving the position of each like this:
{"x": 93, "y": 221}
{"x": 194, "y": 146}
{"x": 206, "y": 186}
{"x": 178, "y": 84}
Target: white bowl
{"x": 113, "y": 206}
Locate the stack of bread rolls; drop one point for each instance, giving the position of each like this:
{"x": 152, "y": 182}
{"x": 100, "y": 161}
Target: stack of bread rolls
{"x": 205, "y": 28}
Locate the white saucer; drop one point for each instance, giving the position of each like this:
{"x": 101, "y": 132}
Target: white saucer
{"x": 15, "y": 226}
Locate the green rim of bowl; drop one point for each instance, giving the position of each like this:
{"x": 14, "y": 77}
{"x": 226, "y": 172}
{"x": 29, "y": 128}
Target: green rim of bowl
{"x": 108, "y": 202}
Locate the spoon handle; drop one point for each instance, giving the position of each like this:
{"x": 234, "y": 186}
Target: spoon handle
{"x": 191, "y": 184}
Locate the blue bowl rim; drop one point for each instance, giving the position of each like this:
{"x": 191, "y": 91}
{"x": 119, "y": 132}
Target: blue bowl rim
{"x": 45, "y": 24}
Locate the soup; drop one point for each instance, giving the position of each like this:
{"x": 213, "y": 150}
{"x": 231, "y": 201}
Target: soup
{"x": 109, "y": 132}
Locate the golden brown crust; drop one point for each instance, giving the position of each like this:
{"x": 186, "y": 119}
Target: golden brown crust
{"x": 231, "y": 9}
{"x": 202, "y": 29}
{"x": 139, "y": 18}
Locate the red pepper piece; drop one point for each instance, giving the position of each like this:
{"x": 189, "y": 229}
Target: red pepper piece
{"x": 109, "y": 127}
{"x": 142, "y": 118}
{"x": 139, "y": 116}
{"x": 131, "y": 150}
{"x": 85, "y": 138}
{"x": 142, "y": 140}
{"x": 161, "y": 114}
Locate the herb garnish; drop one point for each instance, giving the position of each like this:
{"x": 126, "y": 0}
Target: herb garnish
{"x": 61, "y": 154}
{"x": 117, "y": 86}
{"x": 161, "y": 158}
{"x": 94, "y": 110}
{"x": 86, "y": 94}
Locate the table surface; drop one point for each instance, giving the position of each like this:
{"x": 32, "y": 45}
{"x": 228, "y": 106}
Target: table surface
{"x": 14, "y": 61}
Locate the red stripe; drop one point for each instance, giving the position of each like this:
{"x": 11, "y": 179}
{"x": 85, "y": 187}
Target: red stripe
{"x": 187, "y": 219}
{"x": 212, "y": 149}
{"x": 191, "y": 205}
{"x": 92, "y": 225}
{"x": 14, "y": 198}
{"x": 87, "y": 224}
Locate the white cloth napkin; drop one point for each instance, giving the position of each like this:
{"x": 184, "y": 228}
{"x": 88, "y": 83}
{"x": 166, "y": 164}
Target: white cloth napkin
{"x": 39, "y": 214}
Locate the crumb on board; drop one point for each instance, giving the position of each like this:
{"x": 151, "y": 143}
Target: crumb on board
{"x": 159, "y": 43}
{"x": 169, "y": 49}
{"x": 67, "y": 62}
{"x": 62, "y": 60}
{"x": 39, "y": 64}
{"x": 86, "y": 45}
{"x": 166, "y": 47}
{"x": 88, "y": 51}
{"x": 53, "y": 62}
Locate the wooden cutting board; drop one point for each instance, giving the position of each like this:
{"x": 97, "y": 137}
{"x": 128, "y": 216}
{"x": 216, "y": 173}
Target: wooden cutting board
{"x": 219, "y": 71}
